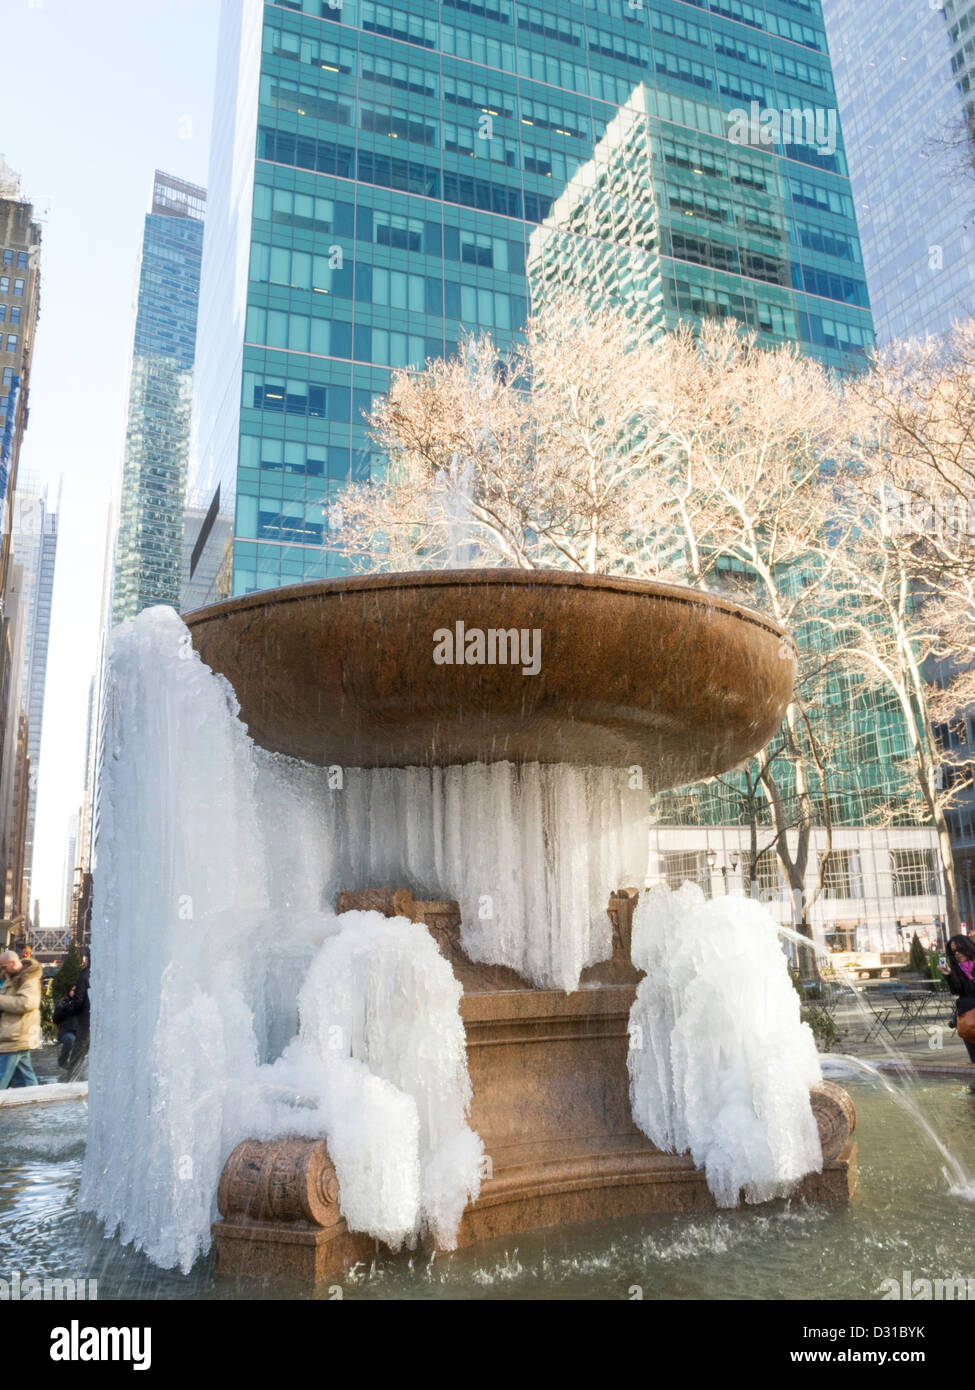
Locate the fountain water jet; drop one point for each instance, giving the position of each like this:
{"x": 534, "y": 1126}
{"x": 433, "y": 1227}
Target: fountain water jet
{"x": 959, "y": 1180}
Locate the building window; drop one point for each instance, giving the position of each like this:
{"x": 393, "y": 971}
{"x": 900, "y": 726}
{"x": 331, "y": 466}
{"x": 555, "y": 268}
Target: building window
{"x": 686, "y": 866}
{"x": 4, "y": 284}
{"x": 404, "y": 233}
{"x": 843, "y": 877}
{"x": 914, "y": 872}
{"x": 8, "y": 376}
{"x": 8, "y": 258}
{"x": 21, "y": 260}
{"x": 476, "y": 249}
{"x": 843, "y": 936}
{"x": 14, "y": 313}
{"x": 766, "y": 877}
{"x": 18, "y": 287}
{"x": 3, "y": 314}
{"x": 11, "y": 342}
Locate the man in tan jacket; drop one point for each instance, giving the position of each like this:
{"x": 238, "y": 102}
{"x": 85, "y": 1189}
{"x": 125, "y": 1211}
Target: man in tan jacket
{"x": 20, "y": 1019}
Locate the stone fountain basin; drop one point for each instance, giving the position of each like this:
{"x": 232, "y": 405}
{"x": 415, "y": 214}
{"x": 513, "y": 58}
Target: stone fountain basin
{"x": 632, "y": 672}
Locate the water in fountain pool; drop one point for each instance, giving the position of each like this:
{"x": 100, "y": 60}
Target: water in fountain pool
{"x": 219, "y": 1014}
{"x": 900, "y": 1219}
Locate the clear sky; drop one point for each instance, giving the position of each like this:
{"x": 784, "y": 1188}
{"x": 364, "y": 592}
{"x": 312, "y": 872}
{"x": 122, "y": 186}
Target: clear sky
{"x": 94, "y": 96}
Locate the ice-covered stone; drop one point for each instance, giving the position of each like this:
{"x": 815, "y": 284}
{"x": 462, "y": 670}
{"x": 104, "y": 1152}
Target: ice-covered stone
{"x": 227, "y": 1004}
{"x": 720, "y": 1063}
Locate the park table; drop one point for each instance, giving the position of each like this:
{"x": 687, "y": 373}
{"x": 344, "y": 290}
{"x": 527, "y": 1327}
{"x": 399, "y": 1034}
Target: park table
{"x": 919, "y": 1004}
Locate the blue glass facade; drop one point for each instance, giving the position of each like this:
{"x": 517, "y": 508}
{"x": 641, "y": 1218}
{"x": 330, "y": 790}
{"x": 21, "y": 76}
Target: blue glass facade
{"x": 904, "y": 87}
{"x": 35, "y": 543}
{"x": 903, "y": 91}
{"x": 905, "y": 94}
{"x": 148, "y": 548}
{"x": 376, "y": 177}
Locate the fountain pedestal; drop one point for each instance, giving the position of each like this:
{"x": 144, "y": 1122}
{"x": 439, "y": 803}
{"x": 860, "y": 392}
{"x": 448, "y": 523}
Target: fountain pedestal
{"x": 672, "y": 682}
{"x": 550, "y": 1100}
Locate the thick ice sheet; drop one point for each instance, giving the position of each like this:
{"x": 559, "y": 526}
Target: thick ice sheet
{"x": 232, "y": 1003}
{"x": 229, "y": 1005}
{"x": 181, "y": 918}
{"x": 720, "y": 1063}
{"x": 531, "y": 852}
{"x": 381, "y": 1053}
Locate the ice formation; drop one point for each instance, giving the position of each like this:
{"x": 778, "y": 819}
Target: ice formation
{"x": 228, "y": 1008}
{"x": 537, "y": 844}
{"x": 719, "y": 1061}
{"x": 233, "y": 1003}
{"x": 181, "y": 912}
{"x": 381, "y": 1035}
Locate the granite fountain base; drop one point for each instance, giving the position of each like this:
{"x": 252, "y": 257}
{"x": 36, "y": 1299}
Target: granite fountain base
{"x": 550, "y": 1101}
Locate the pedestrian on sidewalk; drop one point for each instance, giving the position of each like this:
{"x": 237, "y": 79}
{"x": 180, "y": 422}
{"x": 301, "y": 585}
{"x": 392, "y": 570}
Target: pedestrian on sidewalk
{"x": 20, "y": 1019}
{"x": 82, "y": 1011}
{"x": 959, "y": 971}
{"x": 64, "y": 1016}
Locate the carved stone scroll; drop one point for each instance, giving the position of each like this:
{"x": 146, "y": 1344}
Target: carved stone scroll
{"x": 288, "y": 1181}
{"x": 835, "y": 1116}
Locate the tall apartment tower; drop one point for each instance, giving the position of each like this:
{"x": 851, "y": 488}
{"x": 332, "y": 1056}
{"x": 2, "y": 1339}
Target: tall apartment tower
{"x": 148, "y": 553}
{"x": 68, "y": 872}
{"x": 387, "y": 177}
{"x": 20, "y": 241}
{"x": 377, "y": 172}
{"x": 904, "y": 91}
{"x": 14, "y": 765}
{"x": 35, "y": 543}
{"x": 86, "y": 830}
{"x": 20, "y": 246}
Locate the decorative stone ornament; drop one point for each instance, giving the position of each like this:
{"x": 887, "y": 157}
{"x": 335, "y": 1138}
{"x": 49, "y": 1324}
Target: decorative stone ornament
{"x": 550, "y": 1100}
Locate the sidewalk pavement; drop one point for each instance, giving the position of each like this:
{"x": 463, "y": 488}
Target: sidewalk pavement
{"x": 939, "y": 1052}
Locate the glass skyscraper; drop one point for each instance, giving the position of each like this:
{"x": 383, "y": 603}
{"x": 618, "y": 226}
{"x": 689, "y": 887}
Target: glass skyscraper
{"x": 378, "y": 172}
{"x": 35, "y": 544}
{"x": 904, "y": 90}
{"x": 148, "y": 552}
{"x": 385, "y": 178}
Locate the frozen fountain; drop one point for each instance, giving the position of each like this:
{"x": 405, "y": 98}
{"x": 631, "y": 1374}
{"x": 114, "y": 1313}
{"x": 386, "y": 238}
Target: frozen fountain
{"x": 378, "y": 881}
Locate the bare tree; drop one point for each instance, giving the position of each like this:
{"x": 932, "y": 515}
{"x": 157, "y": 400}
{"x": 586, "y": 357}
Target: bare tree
{"x": 748, "y": 430}
{"x": 907, "y": 566}
{"x": 696, "y": 457}
{"x": 953, "y": 145}
{"x": 544, "y": 458}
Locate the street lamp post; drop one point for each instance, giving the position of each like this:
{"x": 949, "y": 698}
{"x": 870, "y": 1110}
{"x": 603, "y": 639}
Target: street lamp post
{"x": 724, "y": 865}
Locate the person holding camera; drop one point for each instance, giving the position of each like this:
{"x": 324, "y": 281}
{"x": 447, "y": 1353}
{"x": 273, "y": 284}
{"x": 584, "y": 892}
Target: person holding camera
{"x": 959, "y": 971}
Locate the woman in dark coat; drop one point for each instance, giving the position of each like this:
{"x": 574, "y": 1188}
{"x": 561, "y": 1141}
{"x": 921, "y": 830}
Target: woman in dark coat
{"x": 65, "y": 1015}
{"x": 82, "y": 1010}
{"x": 960, "y": 974}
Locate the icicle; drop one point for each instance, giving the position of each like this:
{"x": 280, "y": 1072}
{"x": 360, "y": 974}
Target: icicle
{"x": 719, "y": 1061}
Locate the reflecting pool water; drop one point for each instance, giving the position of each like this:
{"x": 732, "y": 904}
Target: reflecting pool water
{"x": 903, "y": 1217}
